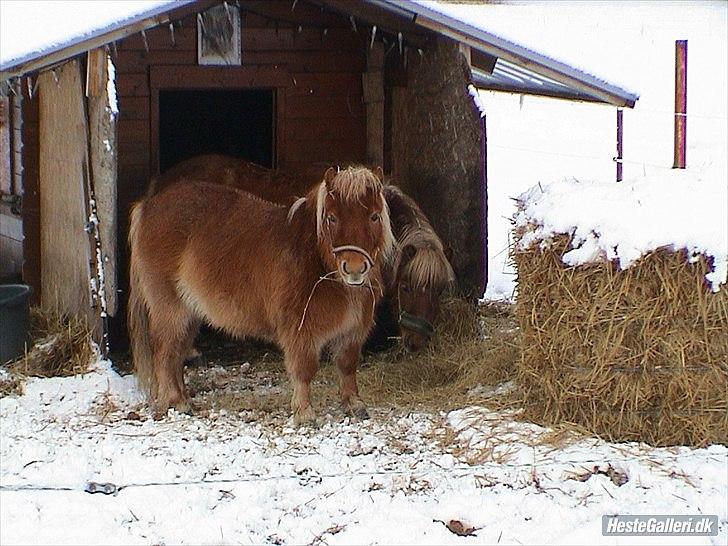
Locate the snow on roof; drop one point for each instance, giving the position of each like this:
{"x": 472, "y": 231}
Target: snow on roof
{"x": 33, "y": 28}
{"x": 564, "y": 54}
{"x": 623, "y": 221}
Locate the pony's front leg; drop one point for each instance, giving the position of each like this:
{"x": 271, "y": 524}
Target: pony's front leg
{"x": 302, "y": 365}
{"x": 347, "y": 359}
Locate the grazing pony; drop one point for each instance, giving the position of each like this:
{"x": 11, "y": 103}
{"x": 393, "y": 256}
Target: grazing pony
{"x": 306, "y": 277}
{"x": 415, "y": 278}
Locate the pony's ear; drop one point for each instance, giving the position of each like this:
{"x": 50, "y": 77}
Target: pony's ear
{"x": 379, "y": 173}
{"x": 448, "y": 253}
{"x": 408, "y": 252}
{"x": 329, "y": 176}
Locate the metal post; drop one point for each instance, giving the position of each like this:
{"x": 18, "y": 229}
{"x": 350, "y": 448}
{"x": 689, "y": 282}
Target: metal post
{"x": 619, "y": 144}
{"x": 681, "y": 102}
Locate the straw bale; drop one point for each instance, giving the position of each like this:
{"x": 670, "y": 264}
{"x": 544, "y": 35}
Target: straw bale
{"x": 639, "y": 354}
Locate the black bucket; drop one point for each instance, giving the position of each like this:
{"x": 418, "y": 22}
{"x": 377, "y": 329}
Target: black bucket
{"x": 13, "y": 320}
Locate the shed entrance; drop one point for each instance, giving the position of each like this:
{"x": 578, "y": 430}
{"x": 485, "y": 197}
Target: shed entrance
{"x": 234, "y": 122}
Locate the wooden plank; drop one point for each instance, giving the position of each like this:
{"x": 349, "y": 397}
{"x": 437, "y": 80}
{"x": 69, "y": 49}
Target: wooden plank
{"x": 6, "y": 184}
{"x": 207, "y": 77}
{"x": 95, "y": 72}
{"x": 132, "y": 85}
{"x": 309, "y": 61}
{"x": 134, "y": 108}
{"x": 373, "y": 86}
{"x": 65, "y": 256}
{"x": 31, "y": 197}
{"x": 335, "y": 39}
{"x": 325, "y": 84}
{"x": 137, "y": 62}
{"x": 399, "y": 133}
{"x": 331, "y": 107}
{"x": 160, "y": 39}
{"x": 102, "y": 131}
{"x": 305, "y": 129}
{"x": 132, "y": 130}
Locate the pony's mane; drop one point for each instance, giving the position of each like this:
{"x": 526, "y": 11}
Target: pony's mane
{"x": 429, "y": 266}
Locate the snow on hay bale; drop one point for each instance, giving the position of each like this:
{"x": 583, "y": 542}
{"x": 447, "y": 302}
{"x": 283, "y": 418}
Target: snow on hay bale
{"x": 623, "y": 308}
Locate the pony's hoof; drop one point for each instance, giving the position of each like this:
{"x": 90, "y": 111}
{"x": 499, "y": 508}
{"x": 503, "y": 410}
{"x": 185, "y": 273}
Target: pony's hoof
{"x": 356, "y": 408}
{"x": 194, "y": 358}
{"x": 304, "y": 417}
{"x": 159, "y": 411}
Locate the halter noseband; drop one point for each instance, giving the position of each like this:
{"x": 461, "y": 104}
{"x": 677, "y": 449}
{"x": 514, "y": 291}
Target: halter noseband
{"x": 419, "y": 324}
{"x": 358, "y": 250}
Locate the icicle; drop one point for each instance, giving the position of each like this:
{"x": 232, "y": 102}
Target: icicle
{"x": 29, "y": 81}
{"x": 201, "y": 21}
{"x": 171, "y": 33}
{"x": 294, "y": 5}
{"x": 399, "y": 41}
{"x": 353, "y": 23}
{"x": 227, "y": 12}
{"x": 422, "y": 53}
{"x": 55, "y": 76}
{"x": 324, "y": 34}
{"x": 146, "y": 44}
{"x": 374, "y": 35}
{"x": 300, "y": 29}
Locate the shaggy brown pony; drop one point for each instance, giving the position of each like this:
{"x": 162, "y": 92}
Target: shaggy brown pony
{"x": 305, "y": 277}
{"x": 414, "y": 279}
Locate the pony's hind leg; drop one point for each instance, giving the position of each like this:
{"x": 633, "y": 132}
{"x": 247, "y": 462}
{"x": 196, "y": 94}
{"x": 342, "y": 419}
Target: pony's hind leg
{"x": 302, "y": 365}
{"x": 346, "y": 356}
{"x": 172, "y": 332}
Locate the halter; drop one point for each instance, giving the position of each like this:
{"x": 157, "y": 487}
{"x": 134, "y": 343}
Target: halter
{"x": 358, "y": 250}
{"x": 419, "y": 324}
{"x": 412, "y": 322}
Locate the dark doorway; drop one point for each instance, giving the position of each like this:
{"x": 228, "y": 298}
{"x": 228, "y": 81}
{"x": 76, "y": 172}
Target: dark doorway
{"x": 237, "y": 122}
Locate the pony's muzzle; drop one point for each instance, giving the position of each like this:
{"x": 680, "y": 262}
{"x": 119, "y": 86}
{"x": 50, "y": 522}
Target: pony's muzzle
{"x": 354, "y": 264}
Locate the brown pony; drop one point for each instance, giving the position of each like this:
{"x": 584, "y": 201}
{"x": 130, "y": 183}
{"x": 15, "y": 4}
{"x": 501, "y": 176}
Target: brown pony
{"x": 414, "y": 279}
{"x": 306, "y": 277}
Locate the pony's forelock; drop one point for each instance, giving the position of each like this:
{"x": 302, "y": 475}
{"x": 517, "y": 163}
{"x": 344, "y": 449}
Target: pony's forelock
{"x": 429, "y": 266}
{"x": 351, "y": 185}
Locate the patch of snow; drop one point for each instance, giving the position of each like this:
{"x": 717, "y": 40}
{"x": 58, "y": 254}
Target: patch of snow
{"x": 111, "y": 92}
{"x": 624, "y": 221}
{"x": 479, "y": 104}
{"x": 222, "y": 479}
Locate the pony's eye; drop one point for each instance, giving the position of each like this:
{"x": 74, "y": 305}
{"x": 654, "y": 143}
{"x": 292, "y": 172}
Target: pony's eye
{"x": 375, "y": 217}
{"x": 331, "y": 218}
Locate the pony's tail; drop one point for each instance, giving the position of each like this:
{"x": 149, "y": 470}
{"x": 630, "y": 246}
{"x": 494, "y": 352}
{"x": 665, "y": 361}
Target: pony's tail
{"x": 142, "y": 353}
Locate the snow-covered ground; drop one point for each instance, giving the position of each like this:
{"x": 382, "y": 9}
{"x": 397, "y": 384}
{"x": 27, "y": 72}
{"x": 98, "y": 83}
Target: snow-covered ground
{"x": 399, "y": 478}
{"x": 535, "y": 140}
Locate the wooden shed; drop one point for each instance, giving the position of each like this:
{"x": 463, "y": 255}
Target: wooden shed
{"x": 289, "y": 84}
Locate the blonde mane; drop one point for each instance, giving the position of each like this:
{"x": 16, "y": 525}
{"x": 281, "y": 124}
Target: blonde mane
{"x": 429, "y": 266}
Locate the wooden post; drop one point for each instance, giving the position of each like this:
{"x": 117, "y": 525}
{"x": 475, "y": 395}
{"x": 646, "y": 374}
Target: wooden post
{"x": 681, "y": 102}
{"x": 102, "y": 146}
{"x": 619, "y": 144}
{"x": 65, "y": 252}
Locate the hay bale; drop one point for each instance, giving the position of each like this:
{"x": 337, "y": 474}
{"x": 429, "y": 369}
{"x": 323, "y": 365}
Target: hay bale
{"x": 637, "y": 354}
{"x": 61, "y": 346}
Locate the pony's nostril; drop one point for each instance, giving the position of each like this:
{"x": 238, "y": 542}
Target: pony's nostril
{"x": 343, "y": 267}
{"x": 365, "y": 268}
